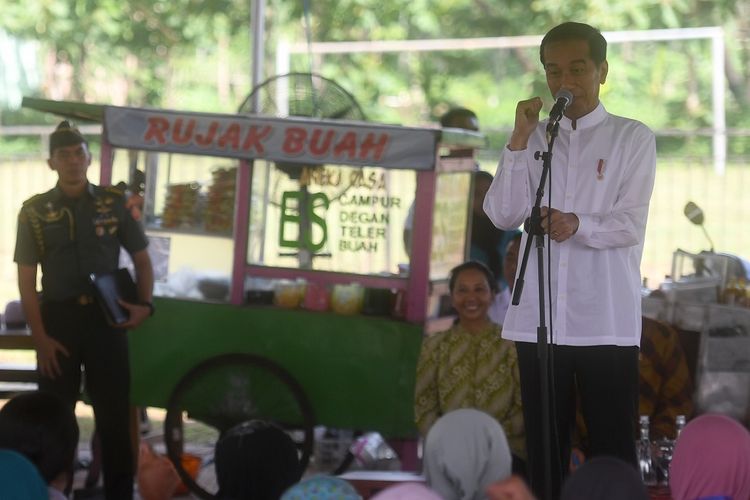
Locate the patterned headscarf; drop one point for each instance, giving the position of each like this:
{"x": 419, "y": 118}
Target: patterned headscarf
{"x": 321, "y": 488}
{"x": 605, "y": 478}
{"x": 465, "y": 451}
{"x": 19, "y": 479}
{"x": 711, "y": 458}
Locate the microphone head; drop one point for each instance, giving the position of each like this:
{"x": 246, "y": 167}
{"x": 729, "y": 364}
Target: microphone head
{"x": 564, "y": 94}
{"x": 694, "y": 213}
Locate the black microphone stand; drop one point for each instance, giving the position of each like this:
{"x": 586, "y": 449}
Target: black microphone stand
{"x": 534, "y": 229}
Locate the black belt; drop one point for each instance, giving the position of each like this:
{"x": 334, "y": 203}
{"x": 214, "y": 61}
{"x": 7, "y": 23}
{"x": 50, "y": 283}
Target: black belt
{"x": 84, "y": 299}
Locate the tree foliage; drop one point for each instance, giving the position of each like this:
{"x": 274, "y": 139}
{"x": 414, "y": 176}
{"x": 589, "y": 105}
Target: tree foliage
{"x": 194, "y": 54}
{"x": 109, "y": 45}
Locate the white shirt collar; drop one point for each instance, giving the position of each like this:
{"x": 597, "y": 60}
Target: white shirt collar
{"x": 590, "y": 120}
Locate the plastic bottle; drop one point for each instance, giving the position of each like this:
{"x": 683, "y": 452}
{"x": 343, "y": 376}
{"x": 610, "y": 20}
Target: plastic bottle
{"x": 665, "y": 452}
{"x": 679, "y": 424}
{"x": 645, "y": 458}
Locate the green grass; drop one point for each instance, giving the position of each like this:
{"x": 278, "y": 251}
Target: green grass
{"x": 723, "y": 200}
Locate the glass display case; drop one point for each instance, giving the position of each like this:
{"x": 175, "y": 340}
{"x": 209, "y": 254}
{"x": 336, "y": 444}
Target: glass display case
{"x": 335, "y": 218}
{"x": 187, "y": 205}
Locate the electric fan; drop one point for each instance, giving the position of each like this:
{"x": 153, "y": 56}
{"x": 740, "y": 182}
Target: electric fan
{"x": 303, "y": 94}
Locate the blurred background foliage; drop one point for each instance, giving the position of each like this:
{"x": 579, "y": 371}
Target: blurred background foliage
{"x": 195, "y": 54}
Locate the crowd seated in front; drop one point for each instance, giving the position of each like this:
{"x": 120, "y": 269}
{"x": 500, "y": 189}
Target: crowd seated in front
{"x": 465, "y": 451}
{"x": 321, "y": 488}
{"x": 604, "y": 478}
{"x": 601, "y": 478}
{"x": 19, "y": 478}
{"x": 407, "y": 491}
{"x": 711, "y": 460}
{"x": 41, "y": 427}
{"x": 255, "y": 459}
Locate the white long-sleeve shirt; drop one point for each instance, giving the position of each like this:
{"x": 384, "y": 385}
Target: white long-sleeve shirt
{"x": 603, "y": 172}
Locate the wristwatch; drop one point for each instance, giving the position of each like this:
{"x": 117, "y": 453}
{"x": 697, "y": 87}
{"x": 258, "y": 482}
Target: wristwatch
{"x": 150, "y": 306}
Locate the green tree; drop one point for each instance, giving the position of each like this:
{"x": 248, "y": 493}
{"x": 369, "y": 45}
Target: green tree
{"x": 194, "y": 54}
{"x": 106, "y": 43}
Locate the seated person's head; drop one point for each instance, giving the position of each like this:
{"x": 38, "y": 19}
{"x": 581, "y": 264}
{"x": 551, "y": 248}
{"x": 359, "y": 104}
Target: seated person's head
{"x": 482, "y": 181}
{"x": 322, "y": 488}
{"x": 473, "y": 266}
{"x": 256, "y": 460}
{"x": 43, "y": 428}
{"x": 19, "y": 479}
{"x": 472, "y": 289}
{"x": 460, "y": 118}
{"x": 711, "y": 459}
{"x": 604, "y": 478}
{"x": 465, "y": 451}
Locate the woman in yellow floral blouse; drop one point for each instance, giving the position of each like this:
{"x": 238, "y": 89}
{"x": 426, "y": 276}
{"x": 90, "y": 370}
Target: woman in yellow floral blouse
{"x": 470, "y": 365}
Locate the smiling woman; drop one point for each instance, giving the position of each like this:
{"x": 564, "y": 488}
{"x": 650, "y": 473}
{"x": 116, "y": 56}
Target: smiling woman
{"x": 470, "y": 365}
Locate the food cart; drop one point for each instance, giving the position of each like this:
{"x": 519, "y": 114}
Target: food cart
{"x": 298, "y": 263}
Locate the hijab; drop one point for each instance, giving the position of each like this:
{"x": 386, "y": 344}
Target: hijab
{"x": 408, "y": 491}
{"x": 19, "y": 479}
{"x": 711, "y": 458}
{"x": 321, "y": 488}
{"x": 465, "y": 451}
{"x": 604, "y": 478}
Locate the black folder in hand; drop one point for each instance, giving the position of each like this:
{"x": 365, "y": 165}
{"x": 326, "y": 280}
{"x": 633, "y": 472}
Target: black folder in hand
{"x": 108, "y": 288}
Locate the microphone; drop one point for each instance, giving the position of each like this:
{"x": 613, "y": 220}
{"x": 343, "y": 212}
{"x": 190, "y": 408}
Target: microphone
{"x": 694, "y": 213}
{"x": 563, "y": 99}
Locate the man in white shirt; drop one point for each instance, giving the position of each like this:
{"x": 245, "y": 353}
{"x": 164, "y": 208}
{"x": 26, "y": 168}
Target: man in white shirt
{"x": 600, "y": 184}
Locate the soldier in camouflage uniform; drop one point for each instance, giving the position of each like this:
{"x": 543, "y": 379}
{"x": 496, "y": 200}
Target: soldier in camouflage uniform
{"x": 72, "y": 231}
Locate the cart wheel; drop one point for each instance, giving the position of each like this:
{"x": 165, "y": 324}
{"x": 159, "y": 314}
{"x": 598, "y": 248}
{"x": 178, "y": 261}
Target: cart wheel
{"x": 220, "y": 393}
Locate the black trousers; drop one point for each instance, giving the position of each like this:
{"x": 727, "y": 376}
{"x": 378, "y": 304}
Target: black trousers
{"x": 606, "y": 379}
{"x": 102, "y": 352}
